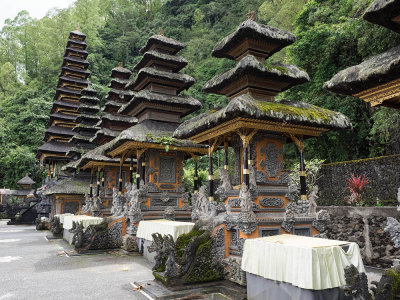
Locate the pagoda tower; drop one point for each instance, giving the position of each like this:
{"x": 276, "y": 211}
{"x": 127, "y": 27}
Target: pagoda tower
{"x": 158, "y": 107}
{"x": 87, "y": 120}
{"x": 72, "y": 80}
{"x": 112, "y": 122}
{"x": 256, "y": 127}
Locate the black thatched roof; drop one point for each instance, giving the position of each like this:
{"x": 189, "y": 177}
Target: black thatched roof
{"x": 54, "y": 147}
{"x": 62, "y": 79}
{"x": 72, "y": 42}
{"x": 77, "y": 51}
{"x": 72, "y": 69}
{"x": 78, "y": 33}
{"x": 60, "y": 130}
{"x": 116, "y": 82}
{"x": 62, "y": 117}
{"x": 149, "y": 131}
{"x": 151, "y": 97}
{"x": 122, "y": 119}
{"x": 120, "y": 71}
{"x": 245, "y": 106}
{"x": 175, "y": 62}
{"x": 92, "y": 119}
{"x": 89, "y": 91}
{"x": 67, "y": 91}
{"x": 26, "y": 180}
{"x": 84, "y": 108}
{"x": 118, "y": 92}
{"x": 253, "y": 30}
{"x": 76, "y": 60}
{"x": 22, "y": 192}
{"x": 162, "y": 41}
{"x": 104, "y": 132}
{"x": 112, "y": 104}
{"x": 183, "y": 79}
{"x": 382, "y": 12}
{"x": 69, "y": 185}
{"x": 250, "y": 65}
{"x": 375, "y": 71}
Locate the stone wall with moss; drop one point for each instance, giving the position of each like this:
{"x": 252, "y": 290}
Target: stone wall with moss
{"x": 383, "y": 175}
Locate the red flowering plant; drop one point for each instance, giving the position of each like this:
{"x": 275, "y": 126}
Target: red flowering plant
{"x": 356, "y": 185}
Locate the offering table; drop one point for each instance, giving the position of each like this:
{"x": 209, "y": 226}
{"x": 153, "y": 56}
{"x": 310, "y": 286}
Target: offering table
{"x": 85, "y": 220}
{"x": 161, "y": 226}
{"x": 297, "y": 267}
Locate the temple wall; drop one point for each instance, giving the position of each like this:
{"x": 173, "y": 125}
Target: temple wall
{"x": 349, "y": 224}
{"x": 383, "y": 174}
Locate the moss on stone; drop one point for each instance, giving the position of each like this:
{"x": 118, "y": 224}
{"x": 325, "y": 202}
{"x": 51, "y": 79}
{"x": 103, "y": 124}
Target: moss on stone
{"x": 184, "y": 239}
{"x": 160, "y": 278}
{"x": 395, "y": 284}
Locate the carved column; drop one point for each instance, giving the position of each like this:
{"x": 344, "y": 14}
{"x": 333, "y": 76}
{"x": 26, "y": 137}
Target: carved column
{"x": 303, "y": 184}
{"x": 98, "y": 183}
{"x": 226, "y": 159}
{"x": 131, "y": 171}
{"x": 144, "y": 167}
{"x": 91, "y": 185}
{"x": 120, "y": 177}
{"x": 210, "y": 176}
{"x": 196, "y": 177}
{"x": 246, "y": 172}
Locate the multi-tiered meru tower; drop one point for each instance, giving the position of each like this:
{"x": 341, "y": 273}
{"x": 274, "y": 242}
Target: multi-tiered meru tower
{"x": 72, "y": 80}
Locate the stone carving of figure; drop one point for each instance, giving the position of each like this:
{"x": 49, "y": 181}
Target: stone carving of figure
{"x": 118, "y": 203}
{"x": 202, "y": 203}
{"x": 225, "y": 183}
{"x": 245, "y": 199}
{"x": 313, "y": 201}
{"x": 393, "y": 227}
{"x": 88, "y": 203}
{"x": 253, "y": 182}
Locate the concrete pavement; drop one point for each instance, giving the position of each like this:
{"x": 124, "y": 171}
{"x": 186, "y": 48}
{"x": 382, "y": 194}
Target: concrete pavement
{"x": 33, "y": 268}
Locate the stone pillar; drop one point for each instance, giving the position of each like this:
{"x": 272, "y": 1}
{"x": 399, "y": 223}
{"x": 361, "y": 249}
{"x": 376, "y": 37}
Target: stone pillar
{"x": 210, "y": 176}
{"x": 226, "y": 158}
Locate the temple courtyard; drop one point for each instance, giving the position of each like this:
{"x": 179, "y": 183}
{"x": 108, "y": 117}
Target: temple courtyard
{"x": 34, "y": 268}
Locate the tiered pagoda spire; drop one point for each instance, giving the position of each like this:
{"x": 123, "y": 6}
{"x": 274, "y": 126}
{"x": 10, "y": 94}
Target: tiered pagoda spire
{"x": 112, "y": 123}
{"x": 72, "y": 80}
{"x": 87, "y": 120}
{"x": 158, "y": 83}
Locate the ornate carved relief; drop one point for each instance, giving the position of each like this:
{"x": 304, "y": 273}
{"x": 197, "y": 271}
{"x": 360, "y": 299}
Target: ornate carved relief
{"x": 272, "y": 201}
{"x": 167, "y": 169}
{"x": 70, "y": 207}
{"x": 271, "y": 156}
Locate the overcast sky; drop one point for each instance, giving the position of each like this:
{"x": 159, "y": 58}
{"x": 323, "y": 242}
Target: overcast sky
{"x": 36, "y": 8}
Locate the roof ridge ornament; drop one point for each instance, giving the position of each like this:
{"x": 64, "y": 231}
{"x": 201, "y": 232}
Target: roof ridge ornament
{"x": 160, "y": 32}
{"x": 251, "y": 15}
{"x": 78, "y": 28}
{"x": 120, "y": 65}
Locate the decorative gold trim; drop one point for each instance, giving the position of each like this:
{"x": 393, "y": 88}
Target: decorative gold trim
{"x": 226, "y": 167}
{"x": 246, "y": 171}
{"x": 377, "y": 95}
{"x": 195, "y": 178}
{"x": 303, "y": 197}
{"x": 210, "y": 177}
{"x": 241, "y": 123}
{"x": 303, "y": 173}
{"x": 210, "y": 199}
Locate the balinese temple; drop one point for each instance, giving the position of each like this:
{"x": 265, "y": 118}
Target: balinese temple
{"x": 26, "y": 190}
{"x": 376, "y": 80}
{"x": 66, "y": 193}
{"x": 112, "y": 122}
{"x": 87, "y": 120}
{"x": 105, "y": 171}
{"x": 158, "y": 107}
{"x": 72, "y": 80}
{"x": 256, "y": 127}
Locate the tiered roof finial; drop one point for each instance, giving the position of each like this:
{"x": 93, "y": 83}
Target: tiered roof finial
{"x": 251, "y": 15}
{"x": 160, "y": 31}
{"x": 120, "y": 65}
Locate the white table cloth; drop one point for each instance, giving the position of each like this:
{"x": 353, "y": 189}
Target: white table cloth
{"x": 306, "y": 262}
{"x": 86, "y": 221}
{"x": 62, "y": 216}
{"x": 162, "y": 226}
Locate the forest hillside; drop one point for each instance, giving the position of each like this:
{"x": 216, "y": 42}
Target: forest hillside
{"x": 331, "y": 35}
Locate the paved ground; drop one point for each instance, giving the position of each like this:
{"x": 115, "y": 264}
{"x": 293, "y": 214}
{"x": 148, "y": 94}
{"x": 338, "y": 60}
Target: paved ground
{"x": 33, "y": 268}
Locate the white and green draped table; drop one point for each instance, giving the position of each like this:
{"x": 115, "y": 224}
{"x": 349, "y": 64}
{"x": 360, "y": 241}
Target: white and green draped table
{"x": 297, "y": 267}
{"x": 62, "y": 216}
{"x": 161, "y": 226}
{"x": 85, "y": 220}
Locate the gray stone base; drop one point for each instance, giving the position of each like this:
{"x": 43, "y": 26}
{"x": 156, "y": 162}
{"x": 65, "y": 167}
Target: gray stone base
{"x": 146, "y": 254}
{"x": 129, "y": 243}
{"x": 67, "y": 236}
{"x": 219, "y": 290}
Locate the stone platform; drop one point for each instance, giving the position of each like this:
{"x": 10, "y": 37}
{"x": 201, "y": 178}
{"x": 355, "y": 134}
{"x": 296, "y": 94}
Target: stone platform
{"x": 209, "y": 290}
